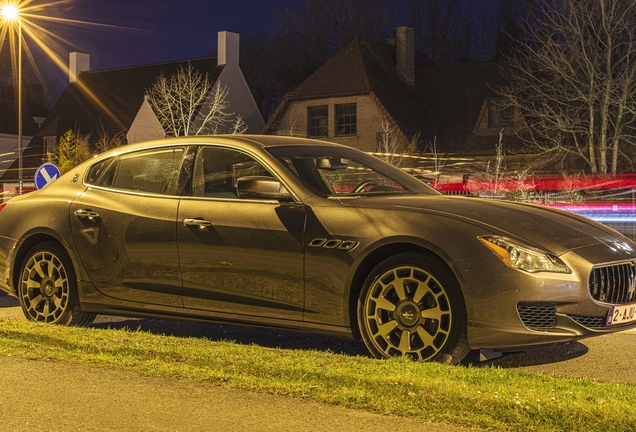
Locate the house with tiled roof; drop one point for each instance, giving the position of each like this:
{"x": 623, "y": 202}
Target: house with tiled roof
{"x": 368, "y": 85}
{"x": 112, "y": 102}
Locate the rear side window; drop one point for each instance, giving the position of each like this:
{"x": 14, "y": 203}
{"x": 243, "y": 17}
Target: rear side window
{"x": 149, "y": 171}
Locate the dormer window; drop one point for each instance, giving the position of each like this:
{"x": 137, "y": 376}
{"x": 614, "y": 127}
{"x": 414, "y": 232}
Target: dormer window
{"x": 500, "y": 114}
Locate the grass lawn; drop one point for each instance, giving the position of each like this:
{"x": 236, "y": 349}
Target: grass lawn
{"x": 480, "y": 397}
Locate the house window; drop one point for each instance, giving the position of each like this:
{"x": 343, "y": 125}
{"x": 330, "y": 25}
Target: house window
{"x": 346, "y": 119}
{"x": 500, "y": 114}
{"x": 49, "y": 148}
{"x": 318, "y": 121}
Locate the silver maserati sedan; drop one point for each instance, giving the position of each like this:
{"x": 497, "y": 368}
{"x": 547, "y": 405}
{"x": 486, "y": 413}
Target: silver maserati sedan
{"x": 297, "y": 234}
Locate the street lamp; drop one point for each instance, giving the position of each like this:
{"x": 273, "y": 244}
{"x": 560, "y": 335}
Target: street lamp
{"x": 11, "y": 13}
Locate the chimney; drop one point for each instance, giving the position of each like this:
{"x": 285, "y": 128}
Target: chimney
{"x": 405, "y": 53}
{"x": 228, "y": 48}
{"x": 78, "y": 62}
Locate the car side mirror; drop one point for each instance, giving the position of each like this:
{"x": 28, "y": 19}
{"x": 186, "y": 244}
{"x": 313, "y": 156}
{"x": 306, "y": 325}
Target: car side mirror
{"x": 332, "y": 164}
{"x": 261, "y": 187}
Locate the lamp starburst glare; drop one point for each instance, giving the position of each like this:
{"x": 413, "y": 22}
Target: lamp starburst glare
{"x": 10, "y": 12}
{"x": 22, "y": 18}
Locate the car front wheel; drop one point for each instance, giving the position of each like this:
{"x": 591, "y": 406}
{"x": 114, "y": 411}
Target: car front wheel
{"x": 47, "y": 287}
{"x": 411, "y": 305}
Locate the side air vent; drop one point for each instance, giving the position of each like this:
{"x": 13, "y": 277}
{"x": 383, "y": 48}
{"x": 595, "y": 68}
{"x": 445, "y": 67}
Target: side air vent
{"x": 589, "y": 321}
{"x": 537, "y": 316}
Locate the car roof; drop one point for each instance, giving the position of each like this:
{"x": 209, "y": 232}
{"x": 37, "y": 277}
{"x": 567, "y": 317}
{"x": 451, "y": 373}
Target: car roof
{"x": 245, "y": 141}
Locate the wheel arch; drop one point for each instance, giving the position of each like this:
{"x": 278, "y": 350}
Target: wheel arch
{"x": 374, "y": 258}
{"x": 27, "y": 244}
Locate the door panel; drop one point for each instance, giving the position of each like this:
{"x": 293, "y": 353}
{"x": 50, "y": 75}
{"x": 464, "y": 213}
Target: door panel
{"x": 125, "y": 229}
{"x": 239, "y": 256}
{"x": 129, "y": 249}
{"x": 248, "y": 260}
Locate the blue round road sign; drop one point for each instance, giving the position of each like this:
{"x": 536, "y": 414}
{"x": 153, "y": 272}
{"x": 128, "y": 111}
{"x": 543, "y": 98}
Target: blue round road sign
{"x": 45, "y": 174}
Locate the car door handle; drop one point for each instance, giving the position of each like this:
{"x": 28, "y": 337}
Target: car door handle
{"x": 197, "y": 222}
{"x": 86, "y": 214}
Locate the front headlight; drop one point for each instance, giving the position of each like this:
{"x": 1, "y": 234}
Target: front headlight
{"x": 524, "y": 257}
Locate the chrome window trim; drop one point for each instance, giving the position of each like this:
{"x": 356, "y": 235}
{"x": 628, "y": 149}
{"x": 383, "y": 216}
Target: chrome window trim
{"x": 259, "y": 160}
{"x": 123, "y": 153}
{"x": 185, "y": 147}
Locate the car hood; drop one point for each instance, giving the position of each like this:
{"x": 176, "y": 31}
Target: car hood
{"x": 553, "y": 230}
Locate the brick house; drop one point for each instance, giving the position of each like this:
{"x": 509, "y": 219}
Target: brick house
{"x": 367, "y": 84}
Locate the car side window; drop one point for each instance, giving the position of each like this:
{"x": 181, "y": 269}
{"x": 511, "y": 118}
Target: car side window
{"x": 154, "y": 171}
{"x": 216, "y": 171}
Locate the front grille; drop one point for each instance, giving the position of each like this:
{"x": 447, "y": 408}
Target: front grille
{"x": 537, "y": 316}
{"x": 614, "y": 283}
{"x": 589, "y": 321}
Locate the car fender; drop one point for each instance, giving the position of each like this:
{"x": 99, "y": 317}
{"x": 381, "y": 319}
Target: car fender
{"x": 38, "y": 235}
{"x": 373, "y": 253}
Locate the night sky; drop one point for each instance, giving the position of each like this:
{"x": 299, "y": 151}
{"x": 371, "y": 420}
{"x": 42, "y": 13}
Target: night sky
{"x": 155, "y": 30}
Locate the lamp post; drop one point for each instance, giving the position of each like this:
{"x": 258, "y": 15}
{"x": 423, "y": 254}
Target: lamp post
{"x": 10, "y": 12}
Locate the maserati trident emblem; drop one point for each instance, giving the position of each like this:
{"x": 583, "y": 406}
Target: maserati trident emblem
{"x": 408, "y": 316}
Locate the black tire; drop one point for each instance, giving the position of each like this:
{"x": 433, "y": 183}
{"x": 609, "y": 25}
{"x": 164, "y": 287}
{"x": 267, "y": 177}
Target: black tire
{"x": 423, "y": 316}
{"x": 47, "y": 287}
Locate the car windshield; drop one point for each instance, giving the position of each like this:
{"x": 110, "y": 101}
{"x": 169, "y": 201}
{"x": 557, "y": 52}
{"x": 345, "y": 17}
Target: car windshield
{"x": 340, "y": 171}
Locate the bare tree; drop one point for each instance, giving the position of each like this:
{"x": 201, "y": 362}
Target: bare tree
{"x": 438, "y": 158}
{"x": 393, "y": 146}
{"x": 442, "y": 28}
{"x": 106, "y": 142}
{"x": 260, "y": 60}
{"x": 497, "y": 25}
{"x": 315, "y": 30}
{"x": 187, "y": 103}
{"x": 496, "y": 172}
{"x": 573, "y": 76}
{"x": 449, "y": 31}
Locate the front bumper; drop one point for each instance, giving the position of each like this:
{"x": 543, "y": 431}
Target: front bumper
{"x": 518, "y": 337}
{"x": 508, "y": 309}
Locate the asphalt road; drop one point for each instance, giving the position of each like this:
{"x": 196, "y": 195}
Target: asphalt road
{"x": 71, "y": 397}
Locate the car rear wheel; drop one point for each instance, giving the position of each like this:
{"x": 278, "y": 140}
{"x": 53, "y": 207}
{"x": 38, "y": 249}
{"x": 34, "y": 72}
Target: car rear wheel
{"x": 47, "y": 287}
{"x": 411, "y": 305}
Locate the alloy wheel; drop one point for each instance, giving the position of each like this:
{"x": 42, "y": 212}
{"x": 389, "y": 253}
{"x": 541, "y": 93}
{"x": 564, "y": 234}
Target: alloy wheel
{"x": 407, "y": 313}
{"x": 44, "y": 288}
